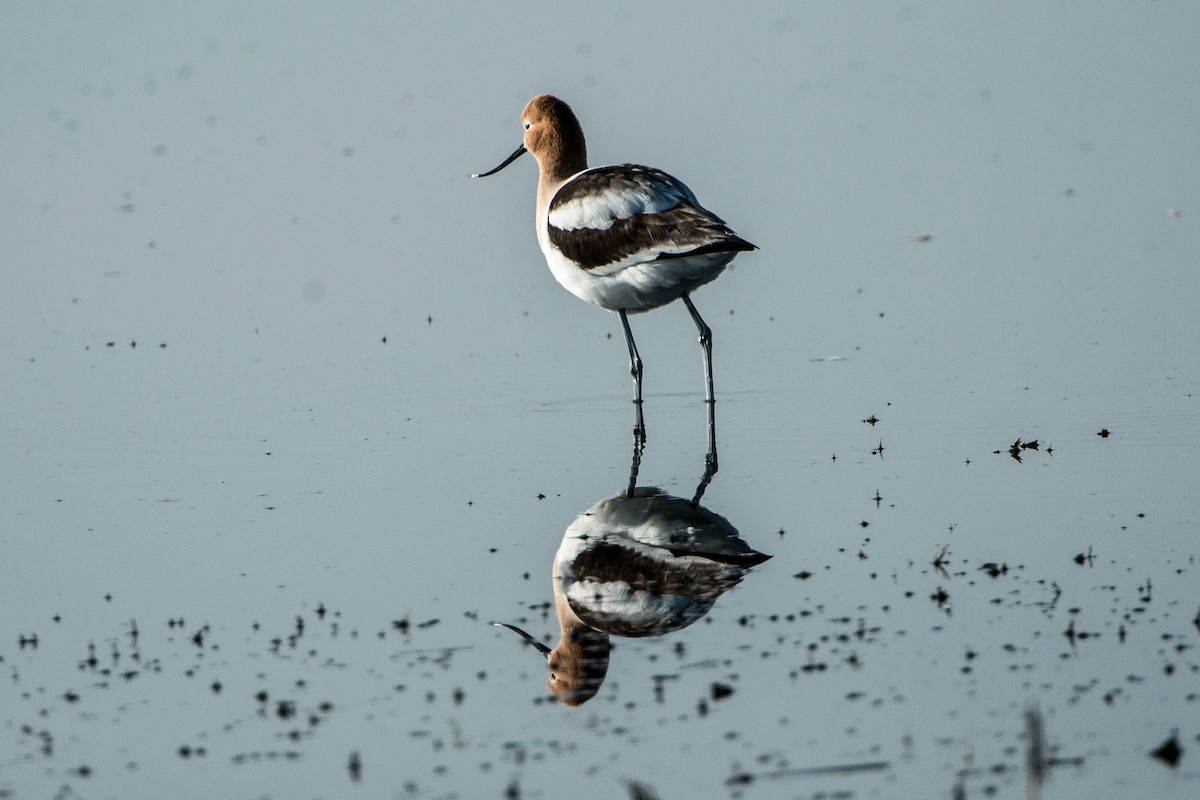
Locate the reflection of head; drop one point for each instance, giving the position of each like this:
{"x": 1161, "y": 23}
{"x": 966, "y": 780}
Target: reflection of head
{"x": 577, "y": 665}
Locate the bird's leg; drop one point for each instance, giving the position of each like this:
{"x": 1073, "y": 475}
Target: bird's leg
{"x": 635, "y": 369}
{"x": 710, "y": 460}
{"x": 705, "y": 346}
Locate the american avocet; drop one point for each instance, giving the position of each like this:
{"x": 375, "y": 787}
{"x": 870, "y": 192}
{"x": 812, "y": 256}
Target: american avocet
{"x": 626, "y": 238}
{"x": 642, "y": 563}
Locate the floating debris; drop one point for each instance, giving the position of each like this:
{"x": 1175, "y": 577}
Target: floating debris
{"x": 1019, "y": 446}
{"x": 746, "y": 778}
{"x": 1035, "y": 753}
{"x": 939, "y": 561}
{"x": 1169, "y": 752}
{"x": 720, "y": 691}
{"x": 639, "y": 791}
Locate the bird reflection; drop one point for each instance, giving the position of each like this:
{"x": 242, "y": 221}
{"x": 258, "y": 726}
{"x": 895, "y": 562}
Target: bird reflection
{"x": 641, "y": 563}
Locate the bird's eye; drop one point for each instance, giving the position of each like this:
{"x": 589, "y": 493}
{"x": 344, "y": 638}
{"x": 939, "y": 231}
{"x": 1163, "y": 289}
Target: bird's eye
{"x": 528, "y": 124}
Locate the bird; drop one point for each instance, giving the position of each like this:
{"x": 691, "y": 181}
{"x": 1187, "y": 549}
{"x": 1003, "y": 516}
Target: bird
{"x": 627, "y": 238}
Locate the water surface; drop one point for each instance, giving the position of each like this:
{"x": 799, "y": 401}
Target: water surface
{"x": 293, "y": 409}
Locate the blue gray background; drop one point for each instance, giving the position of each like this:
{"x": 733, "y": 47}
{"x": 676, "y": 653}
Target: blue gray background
{"x": 977, "y": 223}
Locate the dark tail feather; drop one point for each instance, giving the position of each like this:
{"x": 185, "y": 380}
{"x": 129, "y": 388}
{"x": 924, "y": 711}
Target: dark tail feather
{"x": 734, "y": 244}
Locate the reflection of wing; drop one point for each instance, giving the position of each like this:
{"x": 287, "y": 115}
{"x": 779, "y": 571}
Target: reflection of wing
{"x": 628, "y": 589}
{"x": 649, "y": 564}
{"x": 652, "y": 569}
{"x": 672, "y": 523}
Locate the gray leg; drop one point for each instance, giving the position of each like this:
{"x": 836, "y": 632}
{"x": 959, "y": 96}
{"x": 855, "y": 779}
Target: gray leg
{"x": 706, "y": 348}
{"x": 709, "y": 398}
{"x": 635, "y": 369}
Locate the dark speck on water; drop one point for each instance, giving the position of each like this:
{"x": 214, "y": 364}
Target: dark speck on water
{"x": 1169, "y": 752}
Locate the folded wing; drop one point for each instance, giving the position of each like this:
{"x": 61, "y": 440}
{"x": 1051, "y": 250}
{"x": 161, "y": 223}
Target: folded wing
{"x": 609, "y": 218}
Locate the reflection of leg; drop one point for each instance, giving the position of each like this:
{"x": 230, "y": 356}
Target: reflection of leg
{"x": 639, "y": 442}
{"x": 635, "y": 369}
{"x": 710, "y": 460}
{"x": 710, "y": 468}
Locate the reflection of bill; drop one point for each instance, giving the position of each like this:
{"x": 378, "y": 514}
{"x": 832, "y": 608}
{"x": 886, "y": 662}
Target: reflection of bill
{"x": 642, "y": 563}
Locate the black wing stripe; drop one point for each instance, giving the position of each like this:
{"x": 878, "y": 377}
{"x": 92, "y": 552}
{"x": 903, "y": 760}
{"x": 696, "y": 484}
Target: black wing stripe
{"x": 682, "y": 226}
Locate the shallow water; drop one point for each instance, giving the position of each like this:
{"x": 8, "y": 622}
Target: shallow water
{"x": 294, "y": 409}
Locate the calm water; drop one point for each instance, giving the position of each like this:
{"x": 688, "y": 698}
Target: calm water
{"x": 293, "y": 409}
